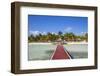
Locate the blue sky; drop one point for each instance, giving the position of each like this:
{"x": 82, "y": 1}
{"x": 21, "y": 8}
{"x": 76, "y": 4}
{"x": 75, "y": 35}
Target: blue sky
{"x": 46, "y": 23}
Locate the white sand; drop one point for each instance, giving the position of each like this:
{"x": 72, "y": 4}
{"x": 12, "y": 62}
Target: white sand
{"x": 45, "y": 43}
{"x": 41, "y": 43}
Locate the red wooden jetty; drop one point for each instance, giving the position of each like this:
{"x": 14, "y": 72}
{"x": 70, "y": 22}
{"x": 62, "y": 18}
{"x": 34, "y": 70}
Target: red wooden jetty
{"x": 60, "y": 53}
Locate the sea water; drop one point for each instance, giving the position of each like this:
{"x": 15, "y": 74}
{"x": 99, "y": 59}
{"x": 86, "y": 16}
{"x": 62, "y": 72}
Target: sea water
{"x": 45, "y": 52}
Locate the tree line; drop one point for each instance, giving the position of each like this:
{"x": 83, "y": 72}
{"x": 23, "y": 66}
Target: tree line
{"x": 49, "y": 37}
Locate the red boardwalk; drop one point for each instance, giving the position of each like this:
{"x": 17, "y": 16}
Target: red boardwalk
{"x": 60, "y": 53}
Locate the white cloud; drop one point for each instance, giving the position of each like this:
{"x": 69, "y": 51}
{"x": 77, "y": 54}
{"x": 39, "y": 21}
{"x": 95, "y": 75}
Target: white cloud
{"x": 34, "y": 33}
{"x": 43, "y": 33}
{"x": 83, "y": 32}
{"x": 53, "y": 33}
{"x": 68, "y": 29}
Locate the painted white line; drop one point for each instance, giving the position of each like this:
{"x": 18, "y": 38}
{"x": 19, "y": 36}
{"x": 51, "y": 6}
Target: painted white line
{"x": 53, "y": 53}
{"x": 67, "y": 52}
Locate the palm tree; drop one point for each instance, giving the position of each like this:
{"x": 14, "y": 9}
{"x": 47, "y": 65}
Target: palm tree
{"x": 30, "y": 38}
{"x": 86, "y": 37}
{"x": 69, "y": 36}
{"x": 60, "y": 33}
